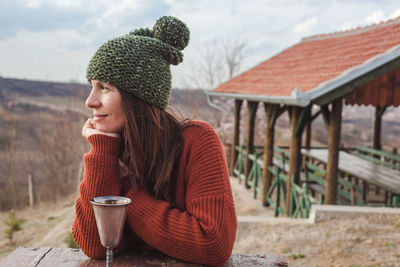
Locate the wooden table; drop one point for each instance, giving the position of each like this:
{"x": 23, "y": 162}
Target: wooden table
{"x": 66, "y": 257}
{"x": 379, "y": 175}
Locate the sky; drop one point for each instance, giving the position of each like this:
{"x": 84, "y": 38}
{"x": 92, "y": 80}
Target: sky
{"x": 53, "y": 40}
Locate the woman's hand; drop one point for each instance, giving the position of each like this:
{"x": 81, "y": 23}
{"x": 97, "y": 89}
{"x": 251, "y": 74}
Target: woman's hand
{"x": 90, "y": 129}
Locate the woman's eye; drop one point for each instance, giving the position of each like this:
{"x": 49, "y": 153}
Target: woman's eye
{"x": 103, "y": 87}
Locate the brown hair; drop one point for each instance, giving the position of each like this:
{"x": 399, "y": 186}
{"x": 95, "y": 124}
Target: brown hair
{"x": 152, "y": 146}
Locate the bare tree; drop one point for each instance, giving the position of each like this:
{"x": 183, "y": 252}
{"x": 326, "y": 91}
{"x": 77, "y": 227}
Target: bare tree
{"x": 60, "y": 147}
{"x": 235, "y": 54}
{"x": 11, "y": 196}
{"x": 218, "y": 62}
{"x": 10, "y": 166}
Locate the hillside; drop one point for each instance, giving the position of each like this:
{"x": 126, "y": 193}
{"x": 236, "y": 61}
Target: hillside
{"x": 15, "y": 88}
{"x": 39, "y": 88}
{"x": 40, "y": 125}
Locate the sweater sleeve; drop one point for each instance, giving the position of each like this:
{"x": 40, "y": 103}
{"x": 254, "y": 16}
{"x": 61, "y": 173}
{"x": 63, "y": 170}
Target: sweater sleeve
{"x": 100, "y": 178}
{"x": 203, "y": 233}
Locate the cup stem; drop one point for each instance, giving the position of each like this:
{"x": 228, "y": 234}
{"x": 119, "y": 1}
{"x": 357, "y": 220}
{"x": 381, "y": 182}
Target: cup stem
{"x": 109, "y": 257}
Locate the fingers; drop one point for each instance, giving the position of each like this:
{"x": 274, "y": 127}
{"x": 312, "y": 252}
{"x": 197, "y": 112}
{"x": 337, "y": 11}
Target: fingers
{"x": 86, "y": 132}
{"x": 89, "y": 123}
{"x": 87, "y": 127}
{"x": 90, "y": 129}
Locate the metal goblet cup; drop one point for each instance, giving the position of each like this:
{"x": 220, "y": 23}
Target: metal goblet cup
{"x": 110, "y": 214}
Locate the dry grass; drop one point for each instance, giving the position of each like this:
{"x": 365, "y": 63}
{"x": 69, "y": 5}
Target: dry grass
{"x": 45, "y": 225}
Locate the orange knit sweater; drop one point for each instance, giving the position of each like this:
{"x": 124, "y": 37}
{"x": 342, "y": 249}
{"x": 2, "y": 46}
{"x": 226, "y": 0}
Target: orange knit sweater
{"x": 201, "y": 229}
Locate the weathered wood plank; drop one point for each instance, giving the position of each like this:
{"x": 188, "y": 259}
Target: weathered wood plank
{"x": 66, "y": 257}
{"x": 27, "y": 257}
{"x": 256, "y": 260}
{"x": 141, "y": 258}
{"x": 368, "y": 171}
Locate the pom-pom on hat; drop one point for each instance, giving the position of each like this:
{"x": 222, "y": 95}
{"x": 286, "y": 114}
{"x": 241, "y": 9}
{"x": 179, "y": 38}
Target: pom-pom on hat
{"x": 138, "y": 62}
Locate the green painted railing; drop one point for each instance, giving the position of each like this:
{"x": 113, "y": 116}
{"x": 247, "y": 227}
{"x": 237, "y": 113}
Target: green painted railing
{"x": 301, "y": 198}
{"x": 385, "y": 158}
{"x": 255, "y": 173}
{"x": 300, "y": 201}
{"x": 239, "y": 165}
{"x": 346, "y": 190}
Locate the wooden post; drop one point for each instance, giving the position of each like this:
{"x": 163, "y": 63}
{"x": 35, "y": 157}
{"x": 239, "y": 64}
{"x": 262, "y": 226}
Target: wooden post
{"x": 268, "y": 150}
{"x": 236, "y": 134}
{"x": 31, "y": 191}
{"x": 308, "y": 135}
{"x": 79, "y": 176}
{"x": 295, "y": 156}
{"x": 252, "y": 109}
{"x": 377, "y": 127}
{"x": 377, "y": 134}
{"x": 335, "y": 123}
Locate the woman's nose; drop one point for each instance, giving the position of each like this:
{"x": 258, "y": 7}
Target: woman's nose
{"x": 93, "y": 100}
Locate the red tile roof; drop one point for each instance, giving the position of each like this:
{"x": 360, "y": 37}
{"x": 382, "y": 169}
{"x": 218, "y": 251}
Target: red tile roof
{"x": 315, "y": 61}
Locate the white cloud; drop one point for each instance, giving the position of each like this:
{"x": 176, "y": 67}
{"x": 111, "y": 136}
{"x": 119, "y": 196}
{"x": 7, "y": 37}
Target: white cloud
{"x": 61, "y": 3}
{"x": 394, "y": 14}
{"x": 379, "y": 16}
{"x": 31, "y": 4}
{"x": 307, "y": 26}
{"x": 375, "y": 17}
{"x": 45, "y": 55}
{"x": 112, "y": 15}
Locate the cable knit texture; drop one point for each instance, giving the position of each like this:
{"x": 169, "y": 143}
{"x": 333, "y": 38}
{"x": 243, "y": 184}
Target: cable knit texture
{"x": 201, "y": 229}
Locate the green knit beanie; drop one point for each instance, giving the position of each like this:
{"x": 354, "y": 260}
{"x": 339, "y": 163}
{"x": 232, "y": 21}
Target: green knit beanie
{"x": 138, "y": 62}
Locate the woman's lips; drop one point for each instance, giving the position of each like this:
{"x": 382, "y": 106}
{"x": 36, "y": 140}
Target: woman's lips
{"x": 98, "y": 118}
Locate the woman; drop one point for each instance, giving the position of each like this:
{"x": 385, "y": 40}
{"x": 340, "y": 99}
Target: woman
{"x": 173, "y": 171}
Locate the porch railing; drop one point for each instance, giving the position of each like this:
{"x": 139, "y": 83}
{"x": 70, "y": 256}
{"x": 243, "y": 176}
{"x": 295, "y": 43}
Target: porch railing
{"x": 302, "y": 197}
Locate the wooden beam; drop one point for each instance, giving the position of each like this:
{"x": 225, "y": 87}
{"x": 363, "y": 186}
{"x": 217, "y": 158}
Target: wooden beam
{"x": 268, "y": 148}
{"x": 282, "y": 110}
{"x": 305, "y": 114}
{"x": 295, "y": 156}
{"x": 273, "y": 116}
{"x": 236, "y": 134}
{"x": 357, "y": 82}
{"x": 252, "y": 110}
{"x": 379, "y": 111}
{"x": 308, "y": 130}
{"x": 326, "y": 114}
{"x": 276, "y": 113}
{"x": 334, "y": 131}
{"x": 289, "y": 109}
{"x": 313, "y": 117}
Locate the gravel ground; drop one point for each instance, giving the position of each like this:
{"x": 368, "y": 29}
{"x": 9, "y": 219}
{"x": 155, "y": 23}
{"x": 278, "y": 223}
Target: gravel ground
{"x": 364, "y": 241}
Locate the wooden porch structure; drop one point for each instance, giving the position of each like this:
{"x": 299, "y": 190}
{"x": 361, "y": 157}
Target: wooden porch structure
{"x": 359, "y": 67}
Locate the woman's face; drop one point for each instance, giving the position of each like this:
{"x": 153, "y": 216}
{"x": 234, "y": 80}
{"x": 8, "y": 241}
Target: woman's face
{"x": 105, "y": 101}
